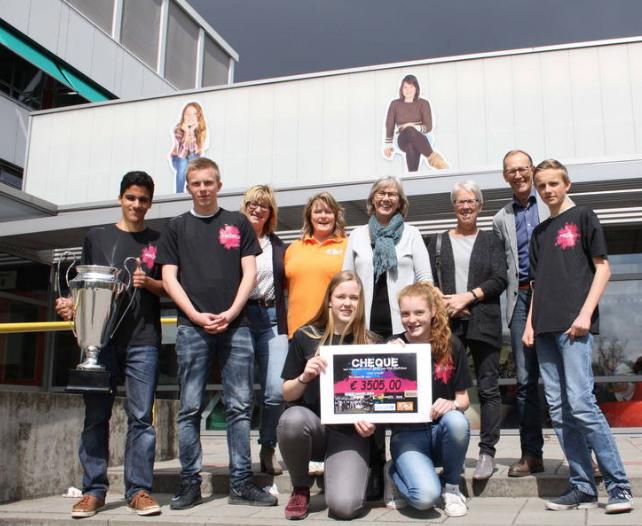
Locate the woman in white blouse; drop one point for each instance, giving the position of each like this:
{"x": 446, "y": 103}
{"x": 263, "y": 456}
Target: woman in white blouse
{"x": 266, "y": 313}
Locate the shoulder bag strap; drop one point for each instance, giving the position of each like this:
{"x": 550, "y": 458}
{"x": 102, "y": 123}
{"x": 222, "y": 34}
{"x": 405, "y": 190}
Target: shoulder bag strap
{"x": 438, "y": 259}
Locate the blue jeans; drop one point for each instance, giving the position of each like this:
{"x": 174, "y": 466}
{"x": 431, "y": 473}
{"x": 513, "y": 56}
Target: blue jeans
{"x": 270, "y": 350}
{"x": 527, "y": 373}
{"x": 565, "y": 366}
{"x": 180, "y": 166}
{"x": 194, "y": 351}
{"x": 140, "y": 366}
{"x": 416, "y": 451}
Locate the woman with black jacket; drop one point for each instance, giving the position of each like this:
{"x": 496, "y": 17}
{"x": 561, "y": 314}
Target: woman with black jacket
{"x": 469, "y": 268}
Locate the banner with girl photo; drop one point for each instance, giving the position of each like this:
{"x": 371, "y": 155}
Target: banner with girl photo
{"x": 409, "y": 129}
{"x": 190, "y": 140}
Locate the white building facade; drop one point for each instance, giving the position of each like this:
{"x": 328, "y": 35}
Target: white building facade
{"x": 581, "y": 104}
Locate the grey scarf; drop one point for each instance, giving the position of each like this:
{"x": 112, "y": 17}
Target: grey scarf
{"x": 384, "y": 239}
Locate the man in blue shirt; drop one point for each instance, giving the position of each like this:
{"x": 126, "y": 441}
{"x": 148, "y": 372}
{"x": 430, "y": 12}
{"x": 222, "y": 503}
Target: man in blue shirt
{"x": 514, "y": 225}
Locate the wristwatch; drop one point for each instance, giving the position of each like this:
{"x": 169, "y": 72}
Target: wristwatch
{"x": 475, "y": 297}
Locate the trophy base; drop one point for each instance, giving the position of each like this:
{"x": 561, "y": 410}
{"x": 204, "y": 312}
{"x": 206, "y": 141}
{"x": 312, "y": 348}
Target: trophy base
{"x": 87, "y": 382}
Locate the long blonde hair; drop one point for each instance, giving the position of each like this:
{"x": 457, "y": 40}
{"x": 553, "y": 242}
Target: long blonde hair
{"x": 200, "y": 133}
{"x": 441, "y": 336}
{"x": 321, "y": 326}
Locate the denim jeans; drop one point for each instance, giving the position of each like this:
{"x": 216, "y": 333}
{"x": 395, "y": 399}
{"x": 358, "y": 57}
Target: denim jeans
{"x": 417, "y": 451}
{"x": 527, "y": 372}
{"x": 180, "y": 166}
{"x": 270, "y": 350}
{"x": 565, "y": 366}
{"x": 194, "y": 351}
{"x": 140, "y": 367}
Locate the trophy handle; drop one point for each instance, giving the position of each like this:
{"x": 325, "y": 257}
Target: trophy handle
{"x": 129, "y": 272}
{"x": 57, "y": 289}
{"x": 123, "y": 289}
{"x": 63, "y": 257}
{"x": 73, "y": 323}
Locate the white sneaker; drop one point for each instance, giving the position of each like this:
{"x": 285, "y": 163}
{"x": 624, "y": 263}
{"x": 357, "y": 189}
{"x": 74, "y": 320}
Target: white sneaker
{"x": 315, "y": 468}
{"x": 454, "y": 502}
{"x": 391, "y": 496}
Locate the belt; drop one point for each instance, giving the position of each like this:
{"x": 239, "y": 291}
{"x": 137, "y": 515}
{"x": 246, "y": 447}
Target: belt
{"x": 525, "y": 286}
{"x": 262, "y": 303}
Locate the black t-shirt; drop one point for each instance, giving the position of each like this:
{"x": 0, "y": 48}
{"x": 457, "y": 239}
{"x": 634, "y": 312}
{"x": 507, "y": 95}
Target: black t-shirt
{"x": 446, "y": 379}
{"x": 108, "y": 245}
{"x": 302, "y": 348}
{"x": 452, "y": 377}
{"x": 561, "y": 256}
{"x": 208, "y": 252}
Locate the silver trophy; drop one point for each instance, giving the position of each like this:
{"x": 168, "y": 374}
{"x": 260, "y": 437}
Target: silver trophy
{"x": 96, "y": 293}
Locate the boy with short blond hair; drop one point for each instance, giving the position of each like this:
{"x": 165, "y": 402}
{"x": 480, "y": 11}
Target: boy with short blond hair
{"x": 570, "y": 271}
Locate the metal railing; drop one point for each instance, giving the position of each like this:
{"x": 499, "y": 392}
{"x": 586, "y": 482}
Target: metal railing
{"x": 52, "y": 326}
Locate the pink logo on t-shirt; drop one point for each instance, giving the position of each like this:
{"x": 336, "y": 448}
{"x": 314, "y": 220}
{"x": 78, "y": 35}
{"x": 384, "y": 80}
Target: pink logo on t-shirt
{"x": 229, "y": 236}
{"x": 148, "y": 256}
{"x": 567, "y": 236}
{"x": 443, "y": 372}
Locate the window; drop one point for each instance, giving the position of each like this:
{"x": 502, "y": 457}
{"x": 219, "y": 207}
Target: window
{"x": 23, "y": 298}
{"x": 215, "y": 64}
{"x": 31, "y": 86}
{"x": 140, "y": 29}
{"x": 10, "y": 174}
{"x": 100, "y": 12}
{"x": 181, "y": 48}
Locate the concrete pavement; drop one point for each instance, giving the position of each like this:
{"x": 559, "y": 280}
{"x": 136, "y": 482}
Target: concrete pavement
{"x": 502, "y": 500}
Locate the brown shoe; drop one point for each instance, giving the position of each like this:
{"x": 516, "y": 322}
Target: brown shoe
{"x": 526, "y": 466}
{"x": 298, "y": 504}
{"x": 144, "y": 504}
{"x": 437, "y": 161}
{"x": 88, "y": 506}
{"x": 269, "y": 464}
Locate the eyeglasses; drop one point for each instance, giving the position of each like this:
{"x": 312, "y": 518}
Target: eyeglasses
{"x": 520, "y": 170}
{"x": 253, "y": 205}
{"x": 390, "y": 195}
{"x": 466, "y": 202}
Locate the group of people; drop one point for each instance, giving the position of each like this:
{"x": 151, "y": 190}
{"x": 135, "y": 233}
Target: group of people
{"x": 229, "y": 274}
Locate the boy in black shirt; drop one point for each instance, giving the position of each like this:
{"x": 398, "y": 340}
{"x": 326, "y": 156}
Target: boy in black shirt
{"x": 133, "y": 351}
{"x": 570, "y": 270}
{"x": 209, "y": 269}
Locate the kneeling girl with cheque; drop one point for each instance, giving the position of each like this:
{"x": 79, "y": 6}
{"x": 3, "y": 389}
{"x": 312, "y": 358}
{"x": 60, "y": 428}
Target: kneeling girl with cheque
{"x": 301, "y": 436}
{"x": 417, "y": 449}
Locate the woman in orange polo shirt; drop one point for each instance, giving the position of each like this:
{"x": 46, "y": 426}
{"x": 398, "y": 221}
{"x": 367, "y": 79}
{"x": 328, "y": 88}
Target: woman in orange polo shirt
{"x": 310, "y": 262}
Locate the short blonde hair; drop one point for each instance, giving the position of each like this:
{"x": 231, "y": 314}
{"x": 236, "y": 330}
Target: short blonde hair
{"x": 203, "y": 163}
{"x": 552, "y": 164}
{"x": 404, "y": 204}
{"x": 337, "y": 209}
{"x": 262, "y": 194}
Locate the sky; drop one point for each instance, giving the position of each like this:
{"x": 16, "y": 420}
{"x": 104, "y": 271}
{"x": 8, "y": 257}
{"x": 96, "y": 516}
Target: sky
{"x": 287, "y": 37}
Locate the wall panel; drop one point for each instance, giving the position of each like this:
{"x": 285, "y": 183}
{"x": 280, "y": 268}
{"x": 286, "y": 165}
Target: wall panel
{"x": 572, "y": 104}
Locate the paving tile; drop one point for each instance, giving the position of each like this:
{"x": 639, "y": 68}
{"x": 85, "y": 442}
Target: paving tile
{"x": 412, "y": 516}
{"x": 599, "y": 518}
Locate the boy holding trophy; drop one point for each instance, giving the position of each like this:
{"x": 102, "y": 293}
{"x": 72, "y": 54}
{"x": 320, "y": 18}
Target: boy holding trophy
{"x": 132, "y": 351}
